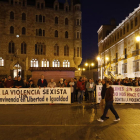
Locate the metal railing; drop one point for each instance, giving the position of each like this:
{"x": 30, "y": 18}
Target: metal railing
{"x": 136, "y": 52}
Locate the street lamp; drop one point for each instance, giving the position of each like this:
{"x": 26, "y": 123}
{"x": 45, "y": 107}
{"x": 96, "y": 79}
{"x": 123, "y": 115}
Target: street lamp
{"x": 138, "y": 38}
{"x": 89, "y": 65}
{"x": 98, "y": 58}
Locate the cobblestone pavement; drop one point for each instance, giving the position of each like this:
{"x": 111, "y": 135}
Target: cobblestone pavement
{"x": 68, "y": 122}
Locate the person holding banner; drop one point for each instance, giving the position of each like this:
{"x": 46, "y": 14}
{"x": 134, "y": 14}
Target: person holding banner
{"x": 42, "y": 82}
{"x": 52, "y": 84}
{"x": 9, "y": 83}
{"x": 109, "y": 103}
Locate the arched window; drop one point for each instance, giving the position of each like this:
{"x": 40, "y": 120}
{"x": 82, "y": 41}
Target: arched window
{"x": 38, "y": 5}
{"x": 11, "y": 30}
{"x": 66, "y": 51}
{"x": 11, "y": 47}
{"x": 56, "y": 33}
{"x": 66, "y": 63}
{"x": 67, "y": 9}
{"x": 34, "y": 63}
{"x": 45, "y": 63}
{"x": 56, "y": 7}
{"x": 56, "y": 50}
{"x": 66, "y": 21}
{"x": 56, "y": 63}
{"x": 40, "y": 18}
{"x": 66, "y": 34}
{"x": 40, "y": 49}
{"x": 40, "y": 32}
{"x": 23, "y": 48}
{"x": 23, "y": 31}
{"x": 12, "y": 15}
{"x": 1, "y": 61}
{"x": 78, "y": 35}
{"x": 23, "y": 4}
{"x": 23, "y": 16}
{"x": 78, "y": 52}
{"x": 56, "y": 20}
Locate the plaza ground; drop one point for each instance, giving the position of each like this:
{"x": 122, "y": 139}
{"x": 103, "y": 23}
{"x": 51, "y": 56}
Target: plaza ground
{"x": 68, "y": 122}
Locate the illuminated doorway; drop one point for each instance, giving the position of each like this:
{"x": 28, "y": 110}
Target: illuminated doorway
{"x": 17, "y": 71}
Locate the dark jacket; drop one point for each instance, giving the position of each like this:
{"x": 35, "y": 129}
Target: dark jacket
{"x": 103, "y": 91}
{"x": 19, "y": 83}
{"x": 44, "y": 84}
{"x": 109, "y": 94}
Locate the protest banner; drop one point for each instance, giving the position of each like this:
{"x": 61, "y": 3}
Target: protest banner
{"x": 122, "y": 94}
{"x": 35, "y": 96}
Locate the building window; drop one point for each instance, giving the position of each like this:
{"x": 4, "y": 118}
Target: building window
{"x": 12, "y": 15}
{"x": 78, "y": 35}
{"x": 66, "y": 51}
{"x": 34, "y": 63}
{"x": 66, "y": 34}
{"x": 121, "y": 33}
{"x": 40, "y": 32}
{"x": 56, "y": 7}
{"x": 66, "y": 21}
{"x": 11, "y": 30}
{"x": 136, "y": 21}
{"x": 43, "y": 18}
{"x": 23, "y": 4}
{"x": 11, "y": 47}
{"x": 43, "y": 32}
{"x": 38, "y": 5}
{"x": 45, "y": 63}
{"x": 23, "y": 31}
{"x": 40, "y": 49}
{"x": 77, "y": 22}
{"x": 67, "y": 9}
{"x": 74, "y": 52}
{"x": 40, "y": 18}
{"x": 56, "y": 50}
{"x": 78, "y": 52}
{"x": 136, "y": 66}
{"x": 116, "y": 69}
{"x": 11, "y": 2}
{"x": 66, "y": 63}
{"x": 56, "y": 33}
{"x": 125, "y": 52}
{"x": 56, "y": 20}
{"x": 1, "y": 62}
{"x": 56, "y": 63}
{"x": 42, "y": 5}
{"x": 124, "y": 68}
{"x": 36, "y": 18}
{"x": 123, "y": 30}
{"x": 118, "y": 35}
{"x": 23, "y": 16}
{"x": 132, "y": 24}
{"x": 127, "y": 27}
{"x": 23, "y": 48}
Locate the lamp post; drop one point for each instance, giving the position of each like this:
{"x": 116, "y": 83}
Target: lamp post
{"x": 89, "y": 65}
{"x": 81, "y": 69}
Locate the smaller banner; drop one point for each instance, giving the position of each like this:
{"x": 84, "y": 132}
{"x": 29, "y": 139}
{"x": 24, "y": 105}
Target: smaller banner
{"x": 35, "y": 96}
{"x": 122, "y": 94}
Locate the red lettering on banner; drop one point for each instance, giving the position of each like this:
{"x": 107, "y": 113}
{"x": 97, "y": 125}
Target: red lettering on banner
{"x": 128, "y": 89}
{"x": 115, "y": 94}
{"x": 138, "y": 94}
{"x": 99, "y": 93}
{"x": 131, "y": 94}
{"x": 122, "y": 94}
{"x": 137, "y": 89}
{"x": 118, "y": 88}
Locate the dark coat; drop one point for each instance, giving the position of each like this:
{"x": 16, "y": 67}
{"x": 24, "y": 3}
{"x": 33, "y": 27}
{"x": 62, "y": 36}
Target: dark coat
{"x": 44, "y": 84}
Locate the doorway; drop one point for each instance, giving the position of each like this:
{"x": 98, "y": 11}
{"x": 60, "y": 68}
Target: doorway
{"x": 17, "y": 71}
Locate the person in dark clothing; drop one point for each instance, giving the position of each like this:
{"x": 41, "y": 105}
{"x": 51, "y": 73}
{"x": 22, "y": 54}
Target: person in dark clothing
{"x": 2, "y": 83}
{"x": 75, "y": 89}
{"x": 61, "y": 84}
{"x": 9, "y": 83}
{"x": 102, "y": 103}
{"x": 42, "y": 82}
{"x": 109, "y": 103}
{"x": 19, "y": 83}
{"x": 31, "y": 85}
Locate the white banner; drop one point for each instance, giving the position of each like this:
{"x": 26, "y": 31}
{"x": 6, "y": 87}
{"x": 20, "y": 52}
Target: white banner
{"x": 122, "y": 94}
{"x": 35, "y": 96}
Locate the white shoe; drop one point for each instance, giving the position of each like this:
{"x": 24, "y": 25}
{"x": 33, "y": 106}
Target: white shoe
{"x": 117, "y": 120}
{"x": 100, "y": 120}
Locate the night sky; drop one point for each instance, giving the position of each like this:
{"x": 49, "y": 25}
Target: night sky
{"x": 98, "y": 12}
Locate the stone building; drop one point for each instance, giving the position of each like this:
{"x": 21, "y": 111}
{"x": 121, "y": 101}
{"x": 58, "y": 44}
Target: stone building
{"x": 119, "y": 45}
{"x": 39, "y": 33}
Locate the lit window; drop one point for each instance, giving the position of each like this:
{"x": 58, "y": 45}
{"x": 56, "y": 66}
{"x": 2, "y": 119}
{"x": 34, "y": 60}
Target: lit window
{"x": 66, "y": 63}
{"x": 34, "y": 63}
{"x": 1, "y": 61}
{"x": 45, "y": 63}
{"x": 56, "y": 63}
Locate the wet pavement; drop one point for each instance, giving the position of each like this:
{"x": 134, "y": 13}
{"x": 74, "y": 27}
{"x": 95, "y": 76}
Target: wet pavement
{"x": 68, "y": 122}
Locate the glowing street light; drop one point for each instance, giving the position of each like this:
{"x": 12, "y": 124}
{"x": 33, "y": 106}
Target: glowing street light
{"x": 138, "y": 38}
{"x": 92, "y": 64}
{"x": 98, "y": 58}
{"x": 107, "y": 58}
{"x": 84, "y": 69}
{"x": 79, "y": 69}
{"x": 86, "y": 64}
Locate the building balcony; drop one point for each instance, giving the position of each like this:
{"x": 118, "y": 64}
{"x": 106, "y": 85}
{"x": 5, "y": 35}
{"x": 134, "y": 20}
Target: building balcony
{"x": 115, "y": 60}
{"x": 136, "y": 52}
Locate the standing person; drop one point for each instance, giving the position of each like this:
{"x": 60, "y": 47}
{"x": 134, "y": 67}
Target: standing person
{"x": 52, "y": 84}
{"x": 109, "y": 103}
{"x": 81, "y": 89}
{"x": 42, "y": 82}
{"x": 102, "y": 103}
{"x": 90, "y": 89}
{"x": 61, "y": 83}
{"x": 65, "y": 82}
{"x": 2, "y": 83}
{"x": 9, "y": 83}
{"x": 72, "y": 84}
{"x": 75, "y": 88}
{"x": 31, "y": 84}
{"x": 19, "y": 83}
